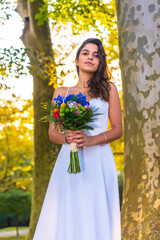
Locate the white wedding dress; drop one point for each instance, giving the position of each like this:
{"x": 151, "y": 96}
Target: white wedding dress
{"x": 83, "y": 206}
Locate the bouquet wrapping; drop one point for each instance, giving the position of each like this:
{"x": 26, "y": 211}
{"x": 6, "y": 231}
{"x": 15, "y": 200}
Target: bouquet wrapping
{"x": 73, "y": 113}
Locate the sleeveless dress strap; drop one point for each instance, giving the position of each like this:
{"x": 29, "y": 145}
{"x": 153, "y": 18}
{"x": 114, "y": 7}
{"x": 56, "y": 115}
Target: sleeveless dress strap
{"x": 67, "y": 91}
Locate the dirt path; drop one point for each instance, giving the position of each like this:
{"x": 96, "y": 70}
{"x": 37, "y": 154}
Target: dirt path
{"x": 13, "y": 232}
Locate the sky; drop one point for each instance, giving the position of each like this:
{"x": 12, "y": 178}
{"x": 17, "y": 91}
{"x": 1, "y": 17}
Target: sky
{"x": 10, "y": 36}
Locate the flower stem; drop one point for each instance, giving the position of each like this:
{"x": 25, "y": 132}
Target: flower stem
{"x": 74, "y": 166}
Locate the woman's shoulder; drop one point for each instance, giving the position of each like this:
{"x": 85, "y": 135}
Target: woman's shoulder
{"x": 60, "y": 91}
{"x": 112, "y": 88}
{"x": 113, "y": 94}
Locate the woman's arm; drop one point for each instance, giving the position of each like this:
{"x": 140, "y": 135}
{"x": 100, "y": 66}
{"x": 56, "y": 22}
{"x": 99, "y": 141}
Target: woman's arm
{"x": 115, "y": 118}
{"x": 54, "y": 134}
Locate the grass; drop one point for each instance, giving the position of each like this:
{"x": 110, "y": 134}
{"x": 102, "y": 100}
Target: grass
{"x": 13, "y": 238}
{"x": 12, "y": 228}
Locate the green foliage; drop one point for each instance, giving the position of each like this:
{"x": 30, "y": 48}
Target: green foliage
{"x": 13, "y": 228}
{"x": 46, "y": 68}
{"x": 120, "y": 186}
{"x": 16, "y": 144}
{"x": 118, "y": 151}
{"x": 13, "y": 62}
{"x": 82, "y": 14}
{"x": 15, "y": 204}
{"x": 4, "y": 13}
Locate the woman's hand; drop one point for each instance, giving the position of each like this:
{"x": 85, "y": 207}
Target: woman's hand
{"x": 79, "y": 137}
{"x": 70, "y": 135}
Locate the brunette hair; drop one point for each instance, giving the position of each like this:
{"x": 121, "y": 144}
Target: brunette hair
{"x": 99, "y": 84}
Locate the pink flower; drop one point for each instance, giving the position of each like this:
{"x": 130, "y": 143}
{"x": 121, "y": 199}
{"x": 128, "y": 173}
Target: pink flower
{"x": 87, "y": 105}
{"x": 62, "y": 122}
{"x": 77, "y": 112}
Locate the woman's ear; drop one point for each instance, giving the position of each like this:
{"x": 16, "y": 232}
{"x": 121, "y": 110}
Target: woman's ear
{"x": 76, "y": 62}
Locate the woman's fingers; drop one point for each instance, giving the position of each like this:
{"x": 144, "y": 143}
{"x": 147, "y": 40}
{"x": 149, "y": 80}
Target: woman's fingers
{"x": 70, "y": 133}
{"x": 71, "y": 136}
{"x": 78, "y": 137}
{"x": 81, "y": 139}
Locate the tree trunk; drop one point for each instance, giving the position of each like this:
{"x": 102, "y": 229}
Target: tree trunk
{"x": 37, "y": 38}
{"x": 139, "y": 34}
{"x": 17, "y": 229}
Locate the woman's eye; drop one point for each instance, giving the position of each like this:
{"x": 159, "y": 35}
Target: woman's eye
{"x": 94, "y": 55}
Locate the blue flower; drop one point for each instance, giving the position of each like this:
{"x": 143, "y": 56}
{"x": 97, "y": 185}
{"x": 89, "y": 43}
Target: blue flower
{"x": 83, "y": 99}
{"x": 80, "y": 98}
{"x": 69, "y": 98}
{"x": 59, "y": 100}
{"x": 80, "y": 95}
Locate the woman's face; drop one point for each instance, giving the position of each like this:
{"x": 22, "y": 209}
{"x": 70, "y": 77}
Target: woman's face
{"x": 88, "y": 58}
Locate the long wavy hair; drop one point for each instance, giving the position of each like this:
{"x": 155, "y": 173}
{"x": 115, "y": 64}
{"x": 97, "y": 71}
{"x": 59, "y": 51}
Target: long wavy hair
{"x": 99, "y": 84}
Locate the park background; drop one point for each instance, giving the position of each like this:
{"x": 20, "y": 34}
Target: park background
{"x": 38, "y": 44}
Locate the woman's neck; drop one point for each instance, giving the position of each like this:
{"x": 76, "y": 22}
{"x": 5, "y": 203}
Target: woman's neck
{"x": 83, "y": 79}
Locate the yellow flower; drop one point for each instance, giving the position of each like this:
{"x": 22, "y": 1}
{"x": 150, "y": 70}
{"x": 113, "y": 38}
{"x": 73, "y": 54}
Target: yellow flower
{"x": 63, "y": 105}
{"x": 55, "y": 85}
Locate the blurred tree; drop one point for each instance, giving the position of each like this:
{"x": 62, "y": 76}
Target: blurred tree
{"x": 15, "y": 203}
{"x": 37, "y": 38}
{"x": 16, "y": 144}
{"x": 139, "y": 24}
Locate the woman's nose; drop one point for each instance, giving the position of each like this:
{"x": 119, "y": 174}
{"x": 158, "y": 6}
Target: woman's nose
{"x": 90, "y": 56}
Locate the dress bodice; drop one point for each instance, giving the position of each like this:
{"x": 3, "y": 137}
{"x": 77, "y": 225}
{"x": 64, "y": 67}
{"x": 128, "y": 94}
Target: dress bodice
{"x": 101, "y": 121}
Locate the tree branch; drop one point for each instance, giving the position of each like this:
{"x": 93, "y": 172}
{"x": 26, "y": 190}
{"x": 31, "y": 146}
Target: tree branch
{"x": 22, "y": 8}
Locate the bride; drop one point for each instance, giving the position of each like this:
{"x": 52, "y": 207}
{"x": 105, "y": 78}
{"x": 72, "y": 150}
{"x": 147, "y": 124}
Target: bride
{"x": 85, "y": 206}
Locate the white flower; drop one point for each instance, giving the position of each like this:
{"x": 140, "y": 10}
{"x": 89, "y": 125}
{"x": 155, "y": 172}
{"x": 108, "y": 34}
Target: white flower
{"x": 72, "y": 104}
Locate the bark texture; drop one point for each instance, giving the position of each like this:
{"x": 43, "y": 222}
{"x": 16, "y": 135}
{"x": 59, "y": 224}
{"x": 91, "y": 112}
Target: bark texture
{"x": 37, "y": 38}
{"x": 139, "y": 43}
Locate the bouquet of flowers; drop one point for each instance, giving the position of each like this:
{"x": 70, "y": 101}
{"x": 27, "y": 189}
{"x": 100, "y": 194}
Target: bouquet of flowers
{"x": 72, "y": 112}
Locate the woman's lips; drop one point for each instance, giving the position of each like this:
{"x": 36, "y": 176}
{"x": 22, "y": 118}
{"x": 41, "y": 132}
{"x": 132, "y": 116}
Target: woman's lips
{"x": 89, "y": 63}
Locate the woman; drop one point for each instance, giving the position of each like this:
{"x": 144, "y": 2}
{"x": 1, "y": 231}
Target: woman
{"x": 85, "y": 206}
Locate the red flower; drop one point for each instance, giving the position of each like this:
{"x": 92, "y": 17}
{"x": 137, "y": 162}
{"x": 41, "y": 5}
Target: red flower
{"x": 56, "y": 114}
